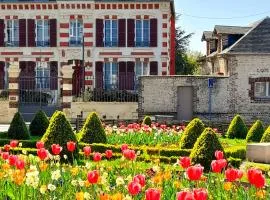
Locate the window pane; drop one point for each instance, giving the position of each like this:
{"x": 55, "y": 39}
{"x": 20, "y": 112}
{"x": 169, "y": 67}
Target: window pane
{"x": 146, "y": 32}
{"x": 138, "y": 32}
{"x": 107, "y": 33}
{"x": 16, "y": 31}
{"x": 114, "y": 33}
{"x": 107, "y": 75}
{"x": 138, "y": 69}
{"x": 114, "y": 75}
{"x": 145, "y": 69}
{"x": 260, "y": 89}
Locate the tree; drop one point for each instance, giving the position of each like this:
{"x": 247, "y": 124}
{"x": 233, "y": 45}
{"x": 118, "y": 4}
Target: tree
{"x": 39, "y": 124}
{"x": 17, "y": 129}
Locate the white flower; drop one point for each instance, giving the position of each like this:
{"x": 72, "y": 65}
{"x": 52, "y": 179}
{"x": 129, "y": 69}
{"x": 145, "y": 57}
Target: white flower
{"x": 32, "y": 177}
{"x": 127, "y": 197}
{"x": 56, "y": 174}
{"x": 65, "y": 157}
{"x": 43, "y": 189}
{"x": 88, "y": 165}
{"x": 74, "y": 182}
{"x": 51, "y": 187}
{"x": 20, "y": 144}
{"x": 86, "y": 196}
{"x": 156, "y": 168}
{"x": 120, "y": 181}
{"x": 81, "y": 182}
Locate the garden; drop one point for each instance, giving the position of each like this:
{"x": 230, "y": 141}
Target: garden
{"x": 151, "y": 161}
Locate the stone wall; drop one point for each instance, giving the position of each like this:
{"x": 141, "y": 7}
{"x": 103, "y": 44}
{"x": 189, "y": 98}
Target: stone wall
{"x": 6, "y": 113}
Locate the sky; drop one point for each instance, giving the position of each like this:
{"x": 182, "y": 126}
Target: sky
{"x": 198, "y": 16}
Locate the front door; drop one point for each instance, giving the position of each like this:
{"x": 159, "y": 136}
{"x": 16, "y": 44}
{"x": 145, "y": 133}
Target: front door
{"x": 185, "y": 103}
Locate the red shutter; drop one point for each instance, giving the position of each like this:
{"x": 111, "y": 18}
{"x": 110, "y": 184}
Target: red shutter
{"x": 2, "y": 75}
{"x": 99, "y": 75}
{"x": 2, "y": 33}
{"x": 99, "y": 32}
{"x": 122, "y": 75}
{"x": 122, "y": 33}
{"x": 22, "y": 32}
{"x": 153, "y": 68}
{"x": 153, "y": 32}
{"x": 31, "y": 33}
{"x": 130, "y": 75}
{"x": 53, "y": 32}
{"x": 131, "y": 32}
{"x": 54, "y": 75}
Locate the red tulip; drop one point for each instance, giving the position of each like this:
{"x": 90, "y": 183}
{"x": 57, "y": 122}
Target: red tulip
{"x": 5, "y": 155}
{"x": 97, "y": 157}
{"x": 185, "y": 162}
{"x": 140, "y": 179}
{"x": 184, "y": 195}
{"x": 134, "y": 188}
{"x": 13, "y": 143}
{"x": 219, "y": 155}
{"x": 87, "y": 150}
{"x": 194, "y": 173}
{"x": 200, "y": 194}
{"x": 56, "y": 149}
{"x": 129, "y": 154}
{"x": 12, "y": 159}
{"x": 124, "y": 147}
{"x": 71, "y": 146}
{"x": 218, "y": 165}
{"x": 152, "y": 194}
{"x": 20, "y": 164}
{"x": 6, "y": 147}
{"x": 108, "y": 154}
{"x": 93, "y": 176}
{"x": 42, "y": 153}
{"x": 233, "y": 174}
{"x": 256, "y": 178}
{"x": 40, "y": 145}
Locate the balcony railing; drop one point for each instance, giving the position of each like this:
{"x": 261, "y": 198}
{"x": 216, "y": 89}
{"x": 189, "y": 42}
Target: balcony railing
{"x": 142, "y": 44}
{"x": 12, "y": 44}
{"x": 42, "y": 43}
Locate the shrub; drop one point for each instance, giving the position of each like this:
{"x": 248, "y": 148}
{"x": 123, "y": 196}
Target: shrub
{"x": 204, "y": 149}
{"x": 234, "y": 162}
{"x": 237, "y": 128}
{"x": 18, "y": 129}
{"x": 92, "y": 130}
{"x": 147, "y": 121}
{"x": 39, "y": 124}
{"x": 25, "y": 143}
{"x": 266, "y": 135}
{"x": 193, "y": 130}
{"x": 255, "y": 133}
{"x": 60, "y": 132}
{"x": 236, "y": 152}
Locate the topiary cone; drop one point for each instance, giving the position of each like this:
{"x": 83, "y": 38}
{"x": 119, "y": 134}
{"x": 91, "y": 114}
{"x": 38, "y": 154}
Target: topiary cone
{"x": 147, "y": 121}
{"x": 39, "y": 124}
{"x": 237, "y": 128}
{"x": 255, "y": 133}
{"x": 193, "y": 130}
{"x": 17, "y": 129}
{"x": 266, "y": 135}
{"x": 204, "y": 149}
{"x": 92, "y": 130}
{"x": 60, "y": 132}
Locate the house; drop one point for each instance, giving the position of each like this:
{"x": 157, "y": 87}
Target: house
{"x": 107, "y": 44}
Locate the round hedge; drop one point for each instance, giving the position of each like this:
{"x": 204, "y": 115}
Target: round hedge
{"x": 204, "y": 149}
{"x": 147, "y": 121}
{"x": 39, "y": 124}
{"x": 191, "y": 133}
{"x": 60, "y": 132}
{"x": 92, "y": 130}
{"x": 266, "y": 135}
{"x": 17, "y": 129}
{"x": 237, "y": 128}
{"x": 255, "y": 133}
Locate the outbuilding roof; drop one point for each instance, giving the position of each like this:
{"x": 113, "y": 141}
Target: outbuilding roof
{"x": 231, "y": 29}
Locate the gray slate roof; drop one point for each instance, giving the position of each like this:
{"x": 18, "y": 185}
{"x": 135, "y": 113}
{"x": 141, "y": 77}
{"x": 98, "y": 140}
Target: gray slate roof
{"x": 257, "y": 40}
{"x": 207, "y": 35}
{"x": 231, "y": 29}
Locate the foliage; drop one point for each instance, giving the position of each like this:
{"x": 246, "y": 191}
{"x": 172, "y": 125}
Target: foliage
{"x": 266, "y": 135}
{"x": 237, "y": 128}
{"x": 236, "y": 152}
{"x": 147, "y": 121}
{"x": 255, "y": 133}
{"x": 191, "y": 134}
{"x": 39, "y": 124}
{"x": 264, "y": 167}
{"x": 92, "y": 130}
{"x": 187, "y": 64}
{"x": 234, "y": 162}
{"x": 17, "y": 129}
{"x": 205, "y": 147}
{"x": 60, "y": 132}
{"x": 24, "y": 143}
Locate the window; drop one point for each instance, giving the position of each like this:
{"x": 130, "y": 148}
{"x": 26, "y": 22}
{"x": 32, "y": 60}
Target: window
{"x": 75, "y": 32}
{"x": 110, "y": 76}
{"x": 42, "y": 33}
{"x": 13, "y": 33}
{"x": 111, "y": 33}
{"x": 141, "y": 69}
{"x": 42, "y": 76}
{"x": 142, "y": 33}
{"x": 6, "y": 78}
{"x": 262, "y": 89}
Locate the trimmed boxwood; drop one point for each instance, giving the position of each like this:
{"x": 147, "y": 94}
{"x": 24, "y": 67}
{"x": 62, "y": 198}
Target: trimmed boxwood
{"x": 193, "y": 130}
{"x": 266, "y": 135}
{"x": 17, "y": 129}
{"x": 39, "y": 124}
{"x": 236, "y": 152}
{"x": 234, "y": 162}
{"x": 25, "y": 143}
{"x": 92, "y": 130}
{"x": 255, "y": 133}
{"x": 60, "y": 132}
{"x": 237, "y": 128}
{"x": 147, "y": 121}
{"x": 204, "y": 149}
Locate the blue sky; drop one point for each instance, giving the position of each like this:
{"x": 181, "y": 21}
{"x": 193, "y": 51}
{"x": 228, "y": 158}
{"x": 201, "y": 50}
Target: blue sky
{"x": 243, "y": 13}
